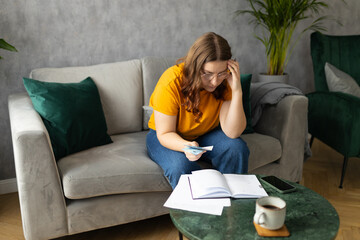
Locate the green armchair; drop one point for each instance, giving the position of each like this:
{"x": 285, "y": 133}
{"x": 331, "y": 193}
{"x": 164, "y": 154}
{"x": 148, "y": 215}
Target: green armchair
{"x": 334, "y": 117}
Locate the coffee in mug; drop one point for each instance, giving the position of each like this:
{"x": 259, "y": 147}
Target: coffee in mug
{"x": 270, "y": 212}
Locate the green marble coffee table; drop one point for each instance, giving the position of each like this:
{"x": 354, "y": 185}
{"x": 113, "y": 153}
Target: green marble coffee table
{"x": 308, "y": 216}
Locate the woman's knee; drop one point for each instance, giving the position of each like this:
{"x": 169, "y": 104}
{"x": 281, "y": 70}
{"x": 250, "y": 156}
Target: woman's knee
{"x": 182, "y": 166}
{"x": 236, "y": 145}
{"x": 178, "y": 167}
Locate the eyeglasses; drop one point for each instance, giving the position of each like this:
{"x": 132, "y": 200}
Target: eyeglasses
{"x": 220, "y": 76}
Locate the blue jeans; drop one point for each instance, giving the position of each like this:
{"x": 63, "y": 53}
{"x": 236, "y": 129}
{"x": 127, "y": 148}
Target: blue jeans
{"x": 228, "y": 155}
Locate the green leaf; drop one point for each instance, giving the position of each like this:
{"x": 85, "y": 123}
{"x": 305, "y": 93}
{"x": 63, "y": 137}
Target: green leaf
{"x": 7, "y": 46}
{"x": 280, "y": 18}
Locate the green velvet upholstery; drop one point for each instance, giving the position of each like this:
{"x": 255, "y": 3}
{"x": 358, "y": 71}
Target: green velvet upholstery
{"x": 334, "y": 117}
{"x": 245, "y": 84}
{"x": 341, "y": 51}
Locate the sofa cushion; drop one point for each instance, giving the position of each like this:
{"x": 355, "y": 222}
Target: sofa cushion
{"x": 263, "y": 149}
{"x": 72, "y": 114}
{"x": 120, "y": 167}
{"x": 124, "y": 166}
{"x": 153, "y": 68}
{"x": 119, "y": 85}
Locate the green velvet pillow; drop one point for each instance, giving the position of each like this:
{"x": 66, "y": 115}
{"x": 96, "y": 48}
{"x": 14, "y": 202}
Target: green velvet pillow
{"x": 245, "y": 84}
{"x": 72, "y": 114}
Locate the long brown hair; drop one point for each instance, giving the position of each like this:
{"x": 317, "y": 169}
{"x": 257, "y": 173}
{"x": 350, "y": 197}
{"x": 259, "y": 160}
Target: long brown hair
{"x": 207, "y": 48}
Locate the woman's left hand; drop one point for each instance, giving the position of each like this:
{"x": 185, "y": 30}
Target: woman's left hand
{"x": 234, "y": 79}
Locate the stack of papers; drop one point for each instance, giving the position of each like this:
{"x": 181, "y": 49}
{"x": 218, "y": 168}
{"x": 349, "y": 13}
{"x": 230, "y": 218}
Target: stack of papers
{"x": 208, "y": 191}
{"x": 181, "y": 198}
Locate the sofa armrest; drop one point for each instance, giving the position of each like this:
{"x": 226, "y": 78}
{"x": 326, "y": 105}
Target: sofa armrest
{"x": 42, "y": 202}
{"x": 287, "y": 121}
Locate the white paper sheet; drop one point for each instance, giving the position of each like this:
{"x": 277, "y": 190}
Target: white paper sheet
{"x": 181, "y": 198}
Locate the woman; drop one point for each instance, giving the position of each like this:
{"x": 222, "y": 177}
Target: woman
{"x": 189, "y": 101}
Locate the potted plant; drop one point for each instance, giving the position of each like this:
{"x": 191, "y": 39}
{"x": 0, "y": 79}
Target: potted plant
{"x": 280, "y": 18}
{"x": 6, "y": 46}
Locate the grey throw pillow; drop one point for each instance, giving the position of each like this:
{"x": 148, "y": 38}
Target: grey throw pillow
{"x": 147, "y": 111}
{"x": 338, "y": 81}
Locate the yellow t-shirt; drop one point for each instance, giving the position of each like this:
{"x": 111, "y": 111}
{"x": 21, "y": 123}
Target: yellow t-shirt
{"x": 167, "y": 99}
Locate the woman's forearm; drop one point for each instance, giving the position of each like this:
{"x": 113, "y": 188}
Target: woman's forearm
{"x": 232, "y": 116}
{"x": 172, "y": 140}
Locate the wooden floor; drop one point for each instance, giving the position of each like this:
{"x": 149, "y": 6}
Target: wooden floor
{"x": 321, "y": 174}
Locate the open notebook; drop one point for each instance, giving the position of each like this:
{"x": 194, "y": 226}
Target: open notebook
{"x": 210, "y": 183}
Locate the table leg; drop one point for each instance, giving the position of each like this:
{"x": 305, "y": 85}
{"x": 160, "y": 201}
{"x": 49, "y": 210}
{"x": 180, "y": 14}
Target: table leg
{"x": 180, "y": 236}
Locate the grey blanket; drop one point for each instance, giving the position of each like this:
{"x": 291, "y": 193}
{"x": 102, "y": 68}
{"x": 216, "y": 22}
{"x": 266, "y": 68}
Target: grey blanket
{"x": 264, "y": 93}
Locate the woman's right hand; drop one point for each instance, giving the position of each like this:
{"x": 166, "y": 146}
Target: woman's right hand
{"x": 190, "y": 156}
{"x": 166, "y": 133}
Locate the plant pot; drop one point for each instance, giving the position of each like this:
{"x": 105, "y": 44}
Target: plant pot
{"x": 274, "y": 78}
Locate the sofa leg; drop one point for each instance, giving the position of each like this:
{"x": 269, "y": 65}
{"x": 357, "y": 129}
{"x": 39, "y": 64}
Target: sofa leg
{"x": 343, "y": 171}
{"x": 311, "y": 140}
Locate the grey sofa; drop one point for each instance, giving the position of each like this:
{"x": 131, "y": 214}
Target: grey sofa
{"x": 118, "y": 183}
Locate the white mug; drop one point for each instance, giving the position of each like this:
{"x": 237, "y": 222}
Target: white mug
{"x": 270, "y": 212}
